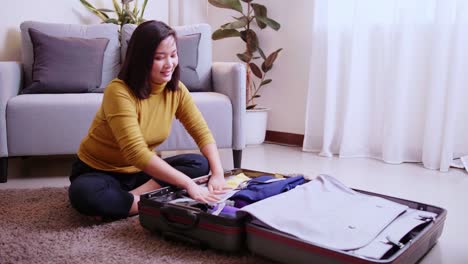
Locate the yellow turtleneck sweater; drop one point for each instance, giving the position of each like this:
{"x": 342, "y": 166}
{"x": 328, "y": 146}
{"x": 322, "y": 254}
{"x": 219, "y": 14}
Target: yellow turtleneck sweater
{"x": 126, "y": 130}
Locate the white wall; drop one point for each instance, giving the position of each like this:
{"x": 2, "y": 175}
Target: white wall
{"x": 12, "y": 13}
{"x": 286, "y": 95}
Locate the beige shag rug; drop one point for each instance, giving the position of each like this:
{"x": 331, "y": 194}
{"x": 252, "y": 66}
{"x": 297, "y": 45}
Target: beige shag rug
{"x": 40, "y": 226}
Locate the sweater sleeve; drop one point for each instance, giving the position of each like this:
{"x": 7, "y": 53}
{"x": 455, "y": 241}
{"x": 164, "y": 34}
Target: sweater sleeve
{"x": 191, "y": 118}
{"x": 120, "y": 110}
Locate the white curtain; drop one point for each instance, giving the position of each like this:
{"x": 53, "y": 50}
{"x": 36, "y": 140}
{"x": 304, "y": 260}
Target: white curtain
{"x": 389, "y": 80}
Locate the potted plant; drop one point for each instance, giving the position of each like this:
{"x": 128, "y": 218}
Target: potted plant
{"x": 125, "y": 11}
{"x": 257, "y": 63}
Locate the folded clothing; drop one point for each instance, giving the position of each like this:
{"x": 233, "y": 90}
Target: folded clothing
{"x": 263, "y": 187}
{"x": 236, "y": 180}
{"x": 327, "y": 213}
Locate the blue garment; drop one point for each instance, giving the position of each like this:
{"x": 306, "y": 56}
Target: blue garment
{"x": 263, "y": 187}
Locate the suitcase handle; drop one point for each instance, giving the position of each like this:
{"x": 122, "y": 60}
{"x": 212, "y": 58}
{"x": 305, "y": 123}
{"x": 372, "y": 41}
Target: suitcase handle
{"x": 170, "y": 215}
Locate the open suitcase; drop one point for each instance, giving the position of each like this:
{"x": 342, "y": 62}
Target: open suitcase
{"x": 191, "y": 225}
{"x": 244, "y": 233}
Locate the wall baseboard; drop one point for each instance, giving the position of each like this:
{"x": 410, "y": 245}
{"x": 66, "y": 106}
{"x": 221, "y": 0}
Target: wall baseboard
{"x": 284, "y": 138}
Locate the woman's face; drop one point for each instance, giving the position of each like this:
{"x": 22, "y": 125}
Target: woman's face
{"x": 165, "y": 61}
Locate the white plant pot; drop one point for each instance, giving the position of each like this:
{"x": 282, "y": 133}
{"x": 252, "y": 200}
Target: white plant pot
{"x": 255, "y": 125}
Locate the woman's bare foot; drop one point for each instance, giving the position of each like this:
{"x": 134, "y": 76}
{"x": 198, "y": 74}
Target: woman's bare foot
{"x": 134, "y": 209}
{"x": 146, "y": 187}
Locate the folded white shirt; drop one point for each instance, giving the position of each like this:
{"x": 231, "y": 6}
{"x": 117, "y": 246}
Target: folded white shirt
{"x": 327, "y": 213}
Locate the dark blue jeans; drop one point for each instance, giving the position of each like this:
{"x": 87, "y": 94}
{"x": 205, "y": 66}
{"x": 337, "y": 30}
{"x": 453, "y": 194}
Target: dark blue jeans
{"x": 101, "y": 193}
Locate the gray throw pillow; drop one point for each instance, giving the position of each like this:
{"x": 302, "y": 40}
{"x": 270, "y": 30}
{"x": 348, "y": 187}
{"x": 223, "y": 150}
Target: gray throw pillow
{"x": 65, "y": 64}
{"x": 187, "y": 47}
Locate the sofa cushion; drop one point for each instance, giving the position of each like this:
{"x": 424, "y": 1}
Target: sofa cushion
{"x": 216, "y": 109}
{"x": 194, "y": 47}
{"x": 49, "y": 124}
{"x": 111, "y": 61}
{"x": 61, "y": 121}
{"x": 65, "y": 65}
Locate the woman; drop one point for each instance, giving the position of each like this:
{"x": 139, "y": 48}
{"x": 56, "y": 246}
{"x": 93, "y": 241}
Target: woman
{"x": 116, "y": 160}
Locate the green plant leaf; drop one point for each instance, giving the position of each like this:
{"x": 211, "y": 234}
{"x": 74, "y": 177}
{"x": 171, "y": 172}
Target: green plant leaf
{"x": 142, "y": 11}
{"x": 103, "y": 16}
{"x": 250, "y": 37}
{"x": 124, "y": 11}
{"x": 261, "y": 53}
{"x": 88, "y": 5}
{"x": 135, "y": 13}
{"x": 112, "y": 21}
{"x": 240, "y": 23}
{"x": 265, "y": 69}
{"x": 255, "y": 70}
{"x": 224, "y": 33}
{"x": 251, "y": 106}
{"x": 125, "y": 19}
{"x": 106, "y": 10}
{"x": 117, "y": 7}
{"x": 272, "y": 57}
{"x": 259, "y": 11}
{"x": 270, "y": 22}
{"x": 132, "y": 17}
{"x": 267, "y": 81}
{"x": 245, "y": 57}
{"x": 223, "y": 25}
{"x": 229, "y": 4}
{"x": 140, "y": 20}
{"x": 135, "y": 8}
{"x": 268, "y": 63}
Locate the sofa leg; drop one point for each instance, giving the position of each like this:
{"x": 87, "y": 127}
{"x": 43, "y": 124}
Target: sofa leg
{"x": 237, "y": 156}
{"x": 3, "y": 169}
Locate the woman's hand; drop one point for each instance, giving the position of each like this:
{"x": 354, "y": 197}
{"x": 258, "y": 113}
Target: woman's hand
{"x": 217, "y": 184}
{"x": 201, "y": 194}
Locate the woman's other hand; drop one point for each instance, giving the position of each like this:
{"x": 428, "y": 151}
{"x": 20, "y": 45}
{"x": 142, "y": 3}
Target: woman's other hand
{"x": 201, "y": 194}
{"x": 217, "y": 184}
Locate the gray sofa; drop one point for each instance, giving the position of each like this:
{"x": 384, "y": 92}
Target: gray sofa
{"x": 54, "y": 123}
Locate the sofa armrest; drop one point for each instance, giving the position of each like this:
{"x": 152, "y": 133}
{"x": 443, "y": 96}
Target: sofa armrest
{"x": 229, "y": 78}
{"x": 10, "y": 83}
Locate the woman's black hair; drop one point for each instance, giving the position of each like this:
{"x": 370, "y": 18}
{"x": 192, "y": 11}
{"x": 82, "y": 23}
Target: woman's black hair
{"x": 136, "y": 69}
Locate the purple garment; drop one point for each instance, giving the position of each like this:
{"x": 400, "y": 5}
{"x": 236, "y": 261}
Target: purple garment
{"x": 259, "y": 188}
{"x": 229, "y": 211}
